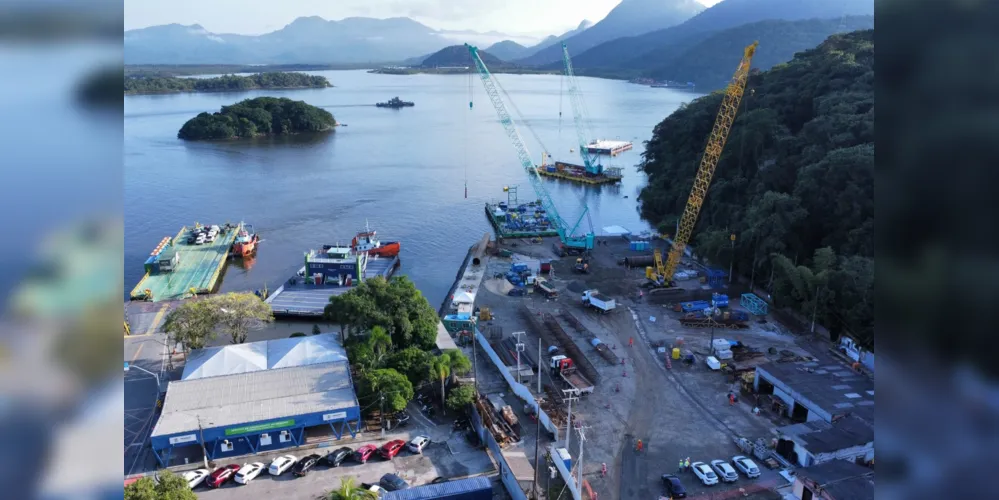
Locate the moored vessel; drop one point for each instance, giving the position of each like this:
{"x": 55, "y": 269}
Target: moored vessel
{"x": 246, "y": 241}
{"x": 367, "y": 242}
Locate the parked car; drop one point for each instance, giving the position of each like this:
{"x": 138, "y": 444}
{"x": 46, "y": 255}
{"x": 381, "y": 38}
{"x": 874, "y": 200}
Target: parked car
{"x": 200, "y": 240}
{"x": 673, "y": 486}
{"x": 439, "y": 480}
{"x": 725, "y": 471}
{"x": 704, "y": 473}
{"x": 398, "y": 420}
{"x": 281, "y": 464}
{"x": 364, "y": 453}
{"x": 517, "y": 291}
{"x": 222, "y": 475}
{"x": 337, "y": 456}
{"x": 392, "y": 482}
{"x": 418, "y": 444}
{"x": 747, "y": 466}
{"x": 392, "y": 448}
{"x": 306, "y": 464}
{"x": 249, "y": 471}
{"x": 195, "y": 477}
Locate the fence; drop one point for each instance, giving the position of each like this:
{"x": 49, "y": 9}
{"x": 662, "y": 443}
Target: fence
{"x": 506, "y": 473}
{"x": 519, "y": 389}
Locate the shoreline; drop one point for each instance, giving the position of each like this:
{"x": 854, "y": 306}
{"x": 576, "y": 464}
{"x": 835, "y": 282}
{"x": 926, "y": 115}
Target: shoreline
{"x": 163, "y": 92}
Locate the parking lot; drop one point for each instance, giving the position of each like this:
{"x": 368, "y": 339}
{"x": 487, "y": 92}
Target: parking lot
{"x": 449, "y": 455}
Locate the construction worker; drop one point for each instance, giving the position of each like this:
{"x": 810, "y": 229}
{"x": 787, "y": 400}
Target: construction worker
{"x": 603, "y": 468}
{"x": 686, "y": 463}
{"x": 631, "y": 341}
{"x": 680, "y": 468}
{"x": 638, "y": 446}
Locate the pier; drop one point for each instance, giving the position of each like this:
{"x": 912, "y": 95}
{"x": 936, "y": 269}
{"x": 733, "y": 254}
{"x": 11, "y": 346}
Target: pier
{"x": 308, "y": 300}
{"x": 177, "y": 269}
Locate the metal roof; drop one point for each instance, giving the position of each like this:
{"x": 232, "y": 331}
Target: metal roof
{"x": 841, "y": 479}
{"x": 441, "y": 490}
{"x": 828, "y": 383}
{"x": 255, "y": 396}
{"x": 444, "y": 340}
{"x": 264, "y": 355}
{"x": 822, "y": 437}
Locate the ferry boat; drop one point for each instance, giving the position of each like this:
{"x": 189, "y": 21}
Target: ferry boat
{"x": 246, "y": 242}
{"x": 395, "y": 102}
{"x": 367, "y": 242}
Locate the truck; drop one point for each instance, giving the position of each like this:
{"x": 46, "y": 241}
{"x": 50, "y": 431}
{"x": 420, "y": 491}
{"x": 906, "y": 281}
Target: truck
{"x": 563, "y": 366}
{"x": 541, "y": 286}
{"x": 598, "y": 301}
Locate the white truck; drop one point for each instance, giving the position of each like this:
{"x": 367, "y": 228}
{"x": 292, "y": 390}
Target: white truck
{"x": 598, "y": 301}
{"x": 563, "y": 366}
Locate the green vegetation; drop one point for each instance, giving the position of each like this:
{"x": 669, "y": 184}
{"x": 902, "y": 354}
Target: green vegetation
{"x": 395, "y": 305}
{"x": 226, "y": 69}
{"x": 195, "y": 323}
{"x": 155, "y": 84}
{"x": 397, "y": 390}
{"x": 795, "y": 182}
{"x": 349, "y": 490}
{"x": 257, "y": 117}
{"x": 451, "y": 361}
{"x": 460, "y": 398}
{"x": 169, "y": 487}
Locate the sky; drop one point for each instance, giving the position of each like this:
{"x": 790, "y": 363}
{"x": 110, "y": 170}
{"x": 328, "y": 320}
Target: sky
{"x": 534, "y": 18}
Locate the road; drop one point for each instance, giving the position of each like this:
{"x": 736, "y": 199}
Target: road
{"x": 141, "y": 392}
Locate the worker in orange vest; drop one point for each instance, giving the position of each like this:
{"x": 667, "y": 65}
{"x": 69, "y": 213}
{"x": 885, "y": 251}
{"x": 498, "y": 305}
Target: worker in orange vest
{"x": 639, "y": 446}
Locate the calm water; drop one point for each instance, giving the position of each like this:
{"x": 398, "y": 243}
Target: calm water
{"x": 403, "y": 171}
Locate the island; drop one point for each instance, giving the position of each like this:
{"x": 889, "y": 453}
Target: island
{"x": 156, "y": 84}
{"x": 261, "y": 116}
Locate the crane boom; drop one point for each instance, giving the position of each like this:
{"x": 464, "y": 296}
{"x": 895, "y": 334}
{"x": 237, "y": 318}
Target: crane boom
{"x": 576, "y": 98}
{"x": 566, "y": 233}
{"x": 716, "y": 142}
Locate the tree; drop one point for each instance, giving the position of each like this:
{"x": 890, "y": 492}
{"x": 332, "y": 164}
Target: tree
{"x": 412, "y": 362}
{"x": 460, "y": 363}
{"x": 238, "y": 313}
{"x": 380, "y": 343}
{"x": 192, "y": 324}
{"x": 460, "y": 398}
{"x": 395, "y": 305}
{"x": 169, "y": 487}
{"x": 373, "y": 384}
{"x": 350, "y": 491}
{"x": 316, "y": 330}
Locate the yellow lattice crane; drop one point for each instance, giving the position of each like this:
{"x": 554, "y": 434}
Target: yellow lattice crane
{"x": 716, "y": 142}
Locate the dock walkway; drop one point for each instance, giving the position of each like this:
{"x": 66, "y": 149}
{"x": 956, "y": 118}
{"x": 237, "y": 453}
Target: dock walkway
{"x": 308, "y": 300}
{"x": 199, "y": 269}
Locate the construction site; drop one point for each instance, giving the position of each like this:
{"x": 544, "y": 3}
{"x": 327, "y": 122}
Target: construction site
{"x": 633, "y": 359}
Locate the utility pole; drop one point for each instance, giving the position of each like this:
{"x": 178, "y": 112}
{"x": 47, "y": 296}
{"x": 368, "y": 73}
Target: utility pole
{"x": 537, "y": 453}
{"x": 570, "y": 397}
{"x": 475, "y": 364}
{"x": 204, "y": 450}
{"x": 381, "y": 415}
{"x": 539, "y": 367}
{"x": 520, "y": 347}
{"x": 731, "y": 265}
{"x": 582, "y": 441}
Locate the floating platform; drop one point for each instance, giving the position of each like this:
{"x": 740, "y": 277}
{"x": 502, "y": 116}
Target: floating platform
{"x": 177, "y": 269}
{"x": 602, "y": 147}
{"x": 578, "y": 173}
{"x": 298, "y": 298}
{"x": 526, "y": 220}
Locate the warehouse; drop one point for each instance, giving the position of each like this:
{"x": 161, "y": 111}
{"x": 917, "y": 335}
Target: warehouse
{"x": 258, "y": 397}
{"x": 817, "y": 390}
{"x": 816, "y": 442}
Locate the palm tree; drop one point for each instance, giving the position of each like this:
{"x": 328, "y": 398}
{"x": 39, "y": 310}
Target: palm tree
{"x": 380, "y": 342}
{"x": 441, "y": 367}
{"x": 349, "y": 491}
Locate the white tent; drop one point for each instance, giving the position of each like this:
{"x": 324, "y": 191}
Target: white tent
{"x": 227, "y": 360}
{"x": 463, "y": 297}
{"x": 301, "y": 351}
{"x": 616, "y": 231}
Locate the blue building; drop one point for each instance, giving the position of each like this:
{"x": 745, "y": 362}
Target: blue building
{"x": 258, "y": 397}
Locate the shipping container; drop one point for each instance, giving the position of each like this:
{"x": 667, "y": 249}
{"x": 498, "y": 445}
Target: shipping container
{"x": 473, "y": 488}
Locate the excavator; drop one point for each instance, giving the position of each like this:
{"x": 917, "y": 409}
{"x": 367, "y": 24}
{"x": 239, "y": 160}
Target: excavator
{"x": 661, "y": 275}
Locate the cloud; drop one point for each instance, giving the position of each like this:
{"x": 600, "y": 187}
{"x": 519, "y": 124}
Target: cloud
{"x": 447, "y": 10}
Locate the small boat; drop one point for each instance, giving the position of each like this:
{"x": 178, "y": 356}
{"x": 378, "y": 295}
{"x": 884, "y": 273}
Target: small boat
{"x": 395, "y": 102}
{"x": 246, "y": 242}
{"x": 367, "y": 242}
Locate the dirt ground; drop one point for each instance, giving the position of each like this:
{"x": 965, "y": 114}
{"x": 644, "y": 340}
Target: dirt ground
{"x": 677, "y": 412}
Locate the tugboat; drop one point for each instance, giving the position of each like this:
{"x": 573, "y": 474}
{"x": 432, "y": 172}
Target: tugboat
{"x": 246, "y": 242}
{"x": 396, "y": 103}
{"x": 367, "y": 242}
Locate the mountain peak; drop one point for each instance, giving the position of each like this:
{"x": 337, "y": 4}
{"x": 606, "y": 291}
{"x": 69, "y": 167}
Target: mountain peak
{"x": 307, "y": 21}
{"x": 585, "y": 24}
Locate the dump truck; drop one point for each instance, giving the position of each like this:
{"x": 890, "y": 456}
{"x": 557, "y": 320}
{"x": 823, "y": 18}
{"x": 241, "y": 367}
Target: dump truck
{"x": 541, "y": 286}
{"x": 564, "y": 367}
{"x": 598, "y": 301}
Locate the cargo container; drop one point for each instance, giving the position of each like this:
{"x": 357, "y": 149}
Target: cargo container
{"x": 472, "y": 488}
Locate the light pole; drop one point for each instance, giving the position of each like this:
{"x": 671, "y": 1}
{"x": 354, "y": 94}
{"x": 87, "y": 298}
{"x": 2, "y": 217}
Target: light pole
{"x": 520, "y": 347}
{"x": 731, "y": 265}
{"x": 711, "y": 312}
{"x": 204, "y": 451}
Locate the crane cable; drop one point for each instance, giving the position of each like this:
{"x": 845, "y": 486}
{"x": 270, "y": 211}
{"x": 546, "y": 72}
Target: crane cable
{"x": 465, "y": 130}
{"x": 520, "y": 115}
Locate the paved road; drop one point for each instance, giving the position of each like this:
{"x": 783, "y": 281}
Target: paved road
{"x": 140, "y": 398}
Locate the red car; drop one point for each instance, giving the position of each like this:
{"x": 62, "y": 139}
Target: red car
{"x": 391, "y": 449}
{"x": 364, "y": 453}
{"x": 222, "y": 475}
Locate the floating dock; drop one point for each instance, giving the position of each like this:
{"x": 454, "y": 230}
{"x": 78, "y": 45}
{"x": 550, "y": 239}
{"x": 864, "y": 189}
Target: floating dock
{"x": 578, "y": 173}
{"x": 302, "y": 297}
{"x": 177, "y": 269}
{"x": 602, "y": 147}
{"x": 526, "y": 220}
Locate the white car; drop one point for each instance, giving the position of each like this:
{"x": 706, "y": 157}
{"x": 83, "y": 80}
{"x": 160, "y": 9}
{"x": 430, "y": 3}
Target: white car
{"x": 418, "y": 444}
{"x": 200, "y": 240}
{"x": 195, "y": 477}
{"x": 281, "y": 464}
{"x": 704, "y": 473}
{"x": 248, "y": 472}
{"x": 725, "y": 471}
{"x": 747, "y": 466}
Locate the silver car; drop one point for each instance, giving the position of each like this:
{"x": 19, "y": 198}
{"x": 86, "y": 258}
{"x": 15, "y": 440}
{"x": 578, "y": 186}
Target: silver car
{"x": 746, "y": 466}
{"x": 724, "y": 470}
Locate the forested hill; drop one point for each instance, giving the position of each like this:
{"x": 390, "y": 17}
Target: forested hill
{"x": 457, "y": 55}
{"x": 795, "y": 182}
{"x": 258, "y": 117}
{"x": 710, "y": 63}
{"x": 147, "y": 84}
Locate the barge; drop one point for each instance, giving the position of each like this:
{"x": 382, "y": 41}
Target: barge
{"x": 604, "y": 147}
{"x": 526, "y": 220}
{"x": 578, "y": 173}
{"x": 328, "y": 272}
{"x": 190, "y": 263}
